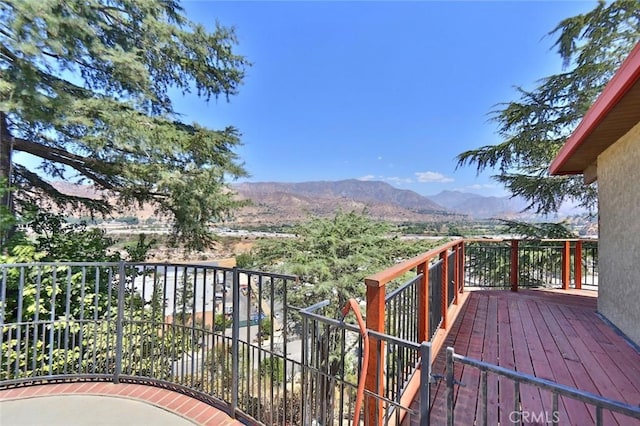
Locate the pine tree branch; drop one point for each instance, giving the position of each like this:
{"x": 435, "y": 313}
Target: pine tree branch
{"x": 87, "y": 166}
{"x": 34, "y": 181}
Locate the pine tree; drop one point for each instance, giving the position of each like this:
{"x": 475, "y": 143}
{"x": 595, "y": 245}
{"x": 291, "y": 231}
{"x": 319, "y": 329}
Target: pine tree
{"x": 85, "y": 88}
{"x": 534, "y": 128}
{"x": 332, "y": 256}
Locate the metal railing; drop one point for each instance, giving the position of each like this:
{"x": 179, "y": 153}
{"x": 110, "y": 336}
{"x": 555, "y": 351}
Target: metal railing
{"x": 531, "y": 263}
{"x": 488, "y": 264}
{"x": 589, "y": 262}
{"x": 228, "y": 336}
{"x": 402, "y": 305}
{"x": 415, "y": 312}
{"x": 223, "y": 335}
{"x": 517, "y": 410}
{"x": 435, "y": 297}
{"x": 215, "y": 333}
{"x": 402, "y": 310}
{"x": 419, "y": 309}
{"x": 333, "y": 357}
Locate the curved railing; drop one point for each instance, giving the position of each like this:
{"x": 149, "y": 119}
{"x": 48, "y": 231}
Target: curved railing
{"x": 227, "y": 336}
{"x": 213, "y": 333}
{"x": 223, "y": 335}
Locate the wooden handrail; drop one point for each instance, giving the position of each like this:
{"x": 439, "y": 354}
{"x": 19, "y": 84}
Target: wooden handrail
{"x": 376, "y": 289}
{"x": 376, "y": 292}
{"x": 383, "y": 277}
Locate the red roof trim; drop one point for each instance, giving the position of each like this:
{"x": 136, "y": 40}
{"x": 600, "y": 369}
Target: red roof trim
{"x": 624, "y": 78}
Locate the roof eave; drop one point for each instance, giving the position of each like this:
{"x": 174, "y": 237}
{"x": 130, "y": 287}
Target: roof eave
{"x": 624, "y": 79}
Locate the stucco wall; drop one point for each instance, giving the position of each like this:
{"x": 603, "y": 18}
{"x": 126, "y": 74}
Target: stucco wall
{"x": 619, "y": 239}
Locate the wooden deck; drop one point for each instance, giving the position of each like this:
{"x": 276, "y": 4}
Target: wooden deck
{"x": 551, "y": 334}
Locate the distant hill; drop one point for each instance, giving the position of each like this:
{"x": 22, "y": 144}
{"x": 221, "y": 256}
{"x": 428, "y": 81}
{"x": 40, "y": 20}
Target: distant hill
{"x": 277, "y": 202}
{"x": 478, "y": 206}
{"x": 453, "y": 199}
{"x": 357, "y": 190}
{"x": 274, "y": 203}
{"x": 85, "y": 191}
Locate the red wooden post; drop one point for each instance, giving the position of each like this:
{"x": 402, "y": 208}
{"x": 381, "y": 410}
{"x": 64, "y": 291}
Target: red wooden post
{"x": 566, "y": 265}
{"x": 577, "y": 259}
{"x": 374, "y": 381}
{"x": 456, "y": 273}
{"x": 462, "y": 266}
{"x": 445, "y": 287}
{"x": 514, "y": 265}
{"x": 423, "y": 303}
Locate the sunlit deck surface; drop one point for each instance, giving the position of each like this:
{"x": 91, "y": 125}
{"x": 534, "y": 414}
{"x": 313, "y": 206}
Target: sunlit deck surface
{"x": 551, "y": 334}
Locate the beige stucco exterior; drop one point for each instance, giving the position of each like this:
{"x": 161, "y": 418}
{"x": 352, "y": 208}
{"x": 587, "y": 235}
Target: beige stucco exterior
{"x": 619, "y": 239}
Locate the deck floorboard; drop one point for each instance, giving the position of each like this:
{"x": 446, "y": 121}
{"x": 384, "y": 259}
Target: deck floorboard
{"x": 551, "y": 334}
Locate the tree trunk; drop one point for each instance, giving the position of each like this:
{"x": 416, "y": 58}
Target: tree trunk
{"x": 6, "y": 196}
{"x": 5, "y": 156}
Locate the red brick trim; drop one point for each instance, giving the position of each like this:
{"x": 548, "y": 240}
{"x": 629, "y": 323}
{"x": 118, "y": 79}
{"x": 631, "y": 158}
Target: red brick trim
{"x": 190, "y": 408}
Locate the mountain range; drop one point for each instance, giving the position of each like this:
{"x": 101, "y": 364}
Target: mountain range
{"x": 280, "y": 203}
{"x": 480, "y": 206}
{"x": 284, "y": 203}
{"x": 381, "y": 200}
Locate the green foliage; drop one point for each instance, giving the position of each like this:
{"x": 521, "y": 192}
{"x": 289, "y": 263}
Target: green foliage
{"x": 221, "y": 322}
{"x": 466, "y": 228}
{"x": 245, "y": 261}
{"x": 63, "y": 242}
{"x": 454, "y": 231}
{"x": 265, "y": 328}
{"x": 272, "y": 368}
{"x": 47, "y": 306}
{"x": 534, "y": 128}
{"x": 72, "y": 345}
{"x": 55, "y": 241}
{"x": 332, "y": 256}
{"x": 129, "y": 220}
{"x": 7, "y": 219}
{"x": 113, "y": 64}
{"x": 537, "y": 230}
{"x": 218, "y": 373}
{"x": 138, "y": 252}
{"x": 184, "y": 299}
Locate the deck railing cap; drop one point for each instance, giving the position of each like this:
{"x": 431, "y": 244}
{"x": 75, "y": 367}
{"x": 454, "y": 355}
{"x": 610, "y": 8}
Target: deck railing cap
{"x": 383, "y": 277}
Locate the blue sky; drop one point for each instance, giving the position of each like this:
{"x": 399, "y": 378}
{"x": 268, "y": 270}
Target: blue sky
{"x": 389, "y": 91}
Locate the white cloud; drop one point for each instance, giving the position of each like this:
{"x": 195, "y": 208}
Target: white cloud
{"x": 398, "y": 180}
{"x": 391, "y": 179}
{"x": 367, "y": 177}
{"x": 486, "y": 189}
{"x": 432, "y": 177}
{"x": 477, "y": 187}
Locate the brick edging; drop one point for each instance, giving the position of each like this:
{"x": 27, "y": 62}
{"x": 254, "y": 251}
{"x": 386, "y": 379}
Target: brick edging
{"x": 177, "y": 403}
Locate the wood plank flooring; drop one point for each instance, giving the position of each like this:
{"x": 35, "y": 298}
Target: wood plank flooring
{"x": 551, "y": 334}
